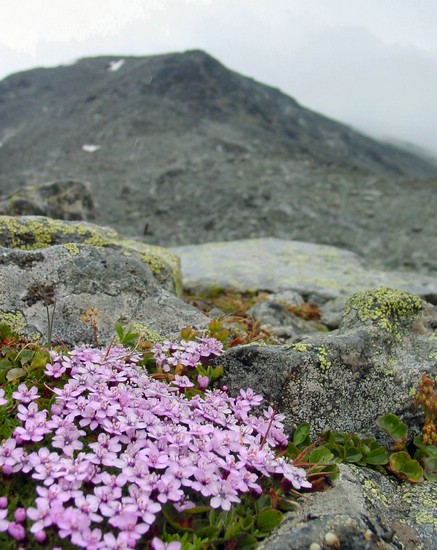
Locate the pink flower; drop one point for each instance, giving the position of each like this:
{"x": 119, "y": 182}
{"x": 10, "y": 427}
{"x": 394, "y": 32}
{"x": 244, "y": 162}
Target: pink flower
{"x": 158, "y": 544}
{"x": 20, "y": 515}
{"x": 25, "y": 395}
{"x": 182, "y": 382}
{"x": 4, "y": 523}
{"x": 16, "y": 531}
{"x": 40, "y": 515}
{"x": 10, "y": 456}
{"x": 89, "y": 539}
{"x": 3, "y": 401}
{"x": 203, "y": 382}
{"x": 40, "y": 536}
{"x": 55, "y": 370}
{"x": 224, "y": 495}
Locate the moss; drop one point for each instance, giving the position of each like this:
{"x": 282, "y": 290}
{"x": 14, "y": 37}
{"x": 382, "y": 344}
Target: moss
{"x": 15, "y": 320}
{"x": 34, "y": 232}
{"x": 389, "y": 309}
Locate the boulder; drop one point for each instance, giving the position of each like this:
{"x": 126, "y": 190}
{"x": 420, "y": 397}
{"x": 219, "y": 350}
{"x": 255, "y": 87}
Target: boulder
{"x": 345, "y": 379}
{"x": 52, "y": 271}
{"x": 281, "y": 322}
{"x": 365, "y": 510}
{"x": 315, "y": 271}
{"x": 61, "y": 199}
{"x": 37, "y": 232}
{"x": 47, "y": 292}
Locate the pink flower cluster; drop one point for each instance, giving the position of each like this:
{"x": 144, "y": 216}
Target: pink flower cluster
{"x": 121, "y": 444}
{"x": 189, "y": 354}
{"x": 15, "y": 527}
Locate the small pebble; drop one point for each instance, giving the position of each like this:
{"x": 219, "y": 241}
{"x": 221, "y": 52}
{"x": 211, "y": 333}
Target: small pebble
{"x": 368, "y": 535}
{"x": 331, "y": 539}
{"x": 315, "y": 546}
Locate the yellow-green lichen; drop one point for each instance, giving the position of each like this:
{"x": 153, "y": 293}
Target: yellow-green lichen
{"x": 423, "y": 501}
{"x": 34, "y": 232}
{"x": 373, "y": 493}
{"x": 300, "y": 346}
{"x": 389, "y": 309}
{"x": 15, "y": 320}
{"x": 322, "y": 357}
{"x": 72, "y": 248}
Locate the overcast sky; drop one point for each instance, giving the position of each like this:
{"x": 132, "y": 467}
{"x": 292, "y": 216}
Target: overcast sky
{"x": 369, "y": 63}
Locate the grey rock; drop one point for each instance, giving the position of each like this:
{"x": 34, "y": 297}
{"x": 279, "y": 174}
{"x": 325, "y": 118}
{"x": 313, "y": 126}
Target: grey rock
{"x": 61, "y": 199}
{"x": 322, "y": 272}
{"x": 63, "y": 282}
{"x": 281, "y": 321}
{"x": 365, "y": 510}
{"x": 271, "y": 313}
{"x": 289, "y": 297}
{"x": 345, "y": 379}
{"x": 332, "y": 312}
{"x": 35, "y": 232}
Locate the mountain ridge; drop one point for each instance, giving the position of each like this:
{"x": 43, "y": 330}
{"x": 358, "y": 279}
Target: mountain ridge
{"x": 180, "y": 148}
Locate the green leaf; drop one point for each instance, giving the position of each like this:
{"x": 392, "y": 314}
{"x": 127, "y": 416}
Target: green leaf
{"x": 5, "y": 364}
{"x": 119, "y": 331}
{"x": 353, "y": 454}
{"x": 26, "y": 356}
{"x": 172, "y": 516}
{"x": 377, "y": 456}
{"x": 320, "y": 455}
{"x": 393, "y": 426}
{"x": 263, "y": 502}
{"x": 292, "y": 450}
{"x": 403, "y": 465}
{"x": 211, "y": 532}
{"x": 286, "y": 505}
{"x": 426, "y": 450}
{"x": 430, "y": 464}
{"x": 15, "y": 374}
{"x": 246, "y": 540}
{"x": 301, "y": 433}
{"x": 198, "y": 510}
{"x": 268, "y": 519}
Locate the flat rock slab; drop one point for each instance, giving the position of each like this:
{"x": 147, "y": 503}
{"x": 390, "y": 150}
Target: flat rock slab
{"x": 276, "y": 265}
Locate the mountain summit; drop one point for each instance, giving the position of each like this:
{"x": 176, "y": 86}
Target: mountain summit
{"x": 195, "y": 152}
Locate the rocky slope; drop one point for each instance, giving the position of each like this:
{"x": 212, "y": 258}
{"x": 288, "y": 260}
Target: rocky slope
{"x": 180, "y": 148}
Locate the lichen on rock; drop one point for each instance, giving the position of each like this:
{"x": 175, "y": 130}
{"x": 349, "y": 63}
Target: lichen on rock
{"x": 389, "y": 309}
{"x": 37, "y": 232}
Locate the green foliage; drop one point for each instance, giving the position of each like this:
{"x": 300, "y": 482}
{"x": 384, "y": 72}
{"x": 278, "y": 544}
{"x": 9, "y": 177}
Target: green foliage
{"x": 350, "y": 448}
{"x": 393, "y": 427}
{"x": 20, "y": 360}
{"x": 243, "y": 526}
{"x": 126, "y": 336}
{"x": 405, "y": 467}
